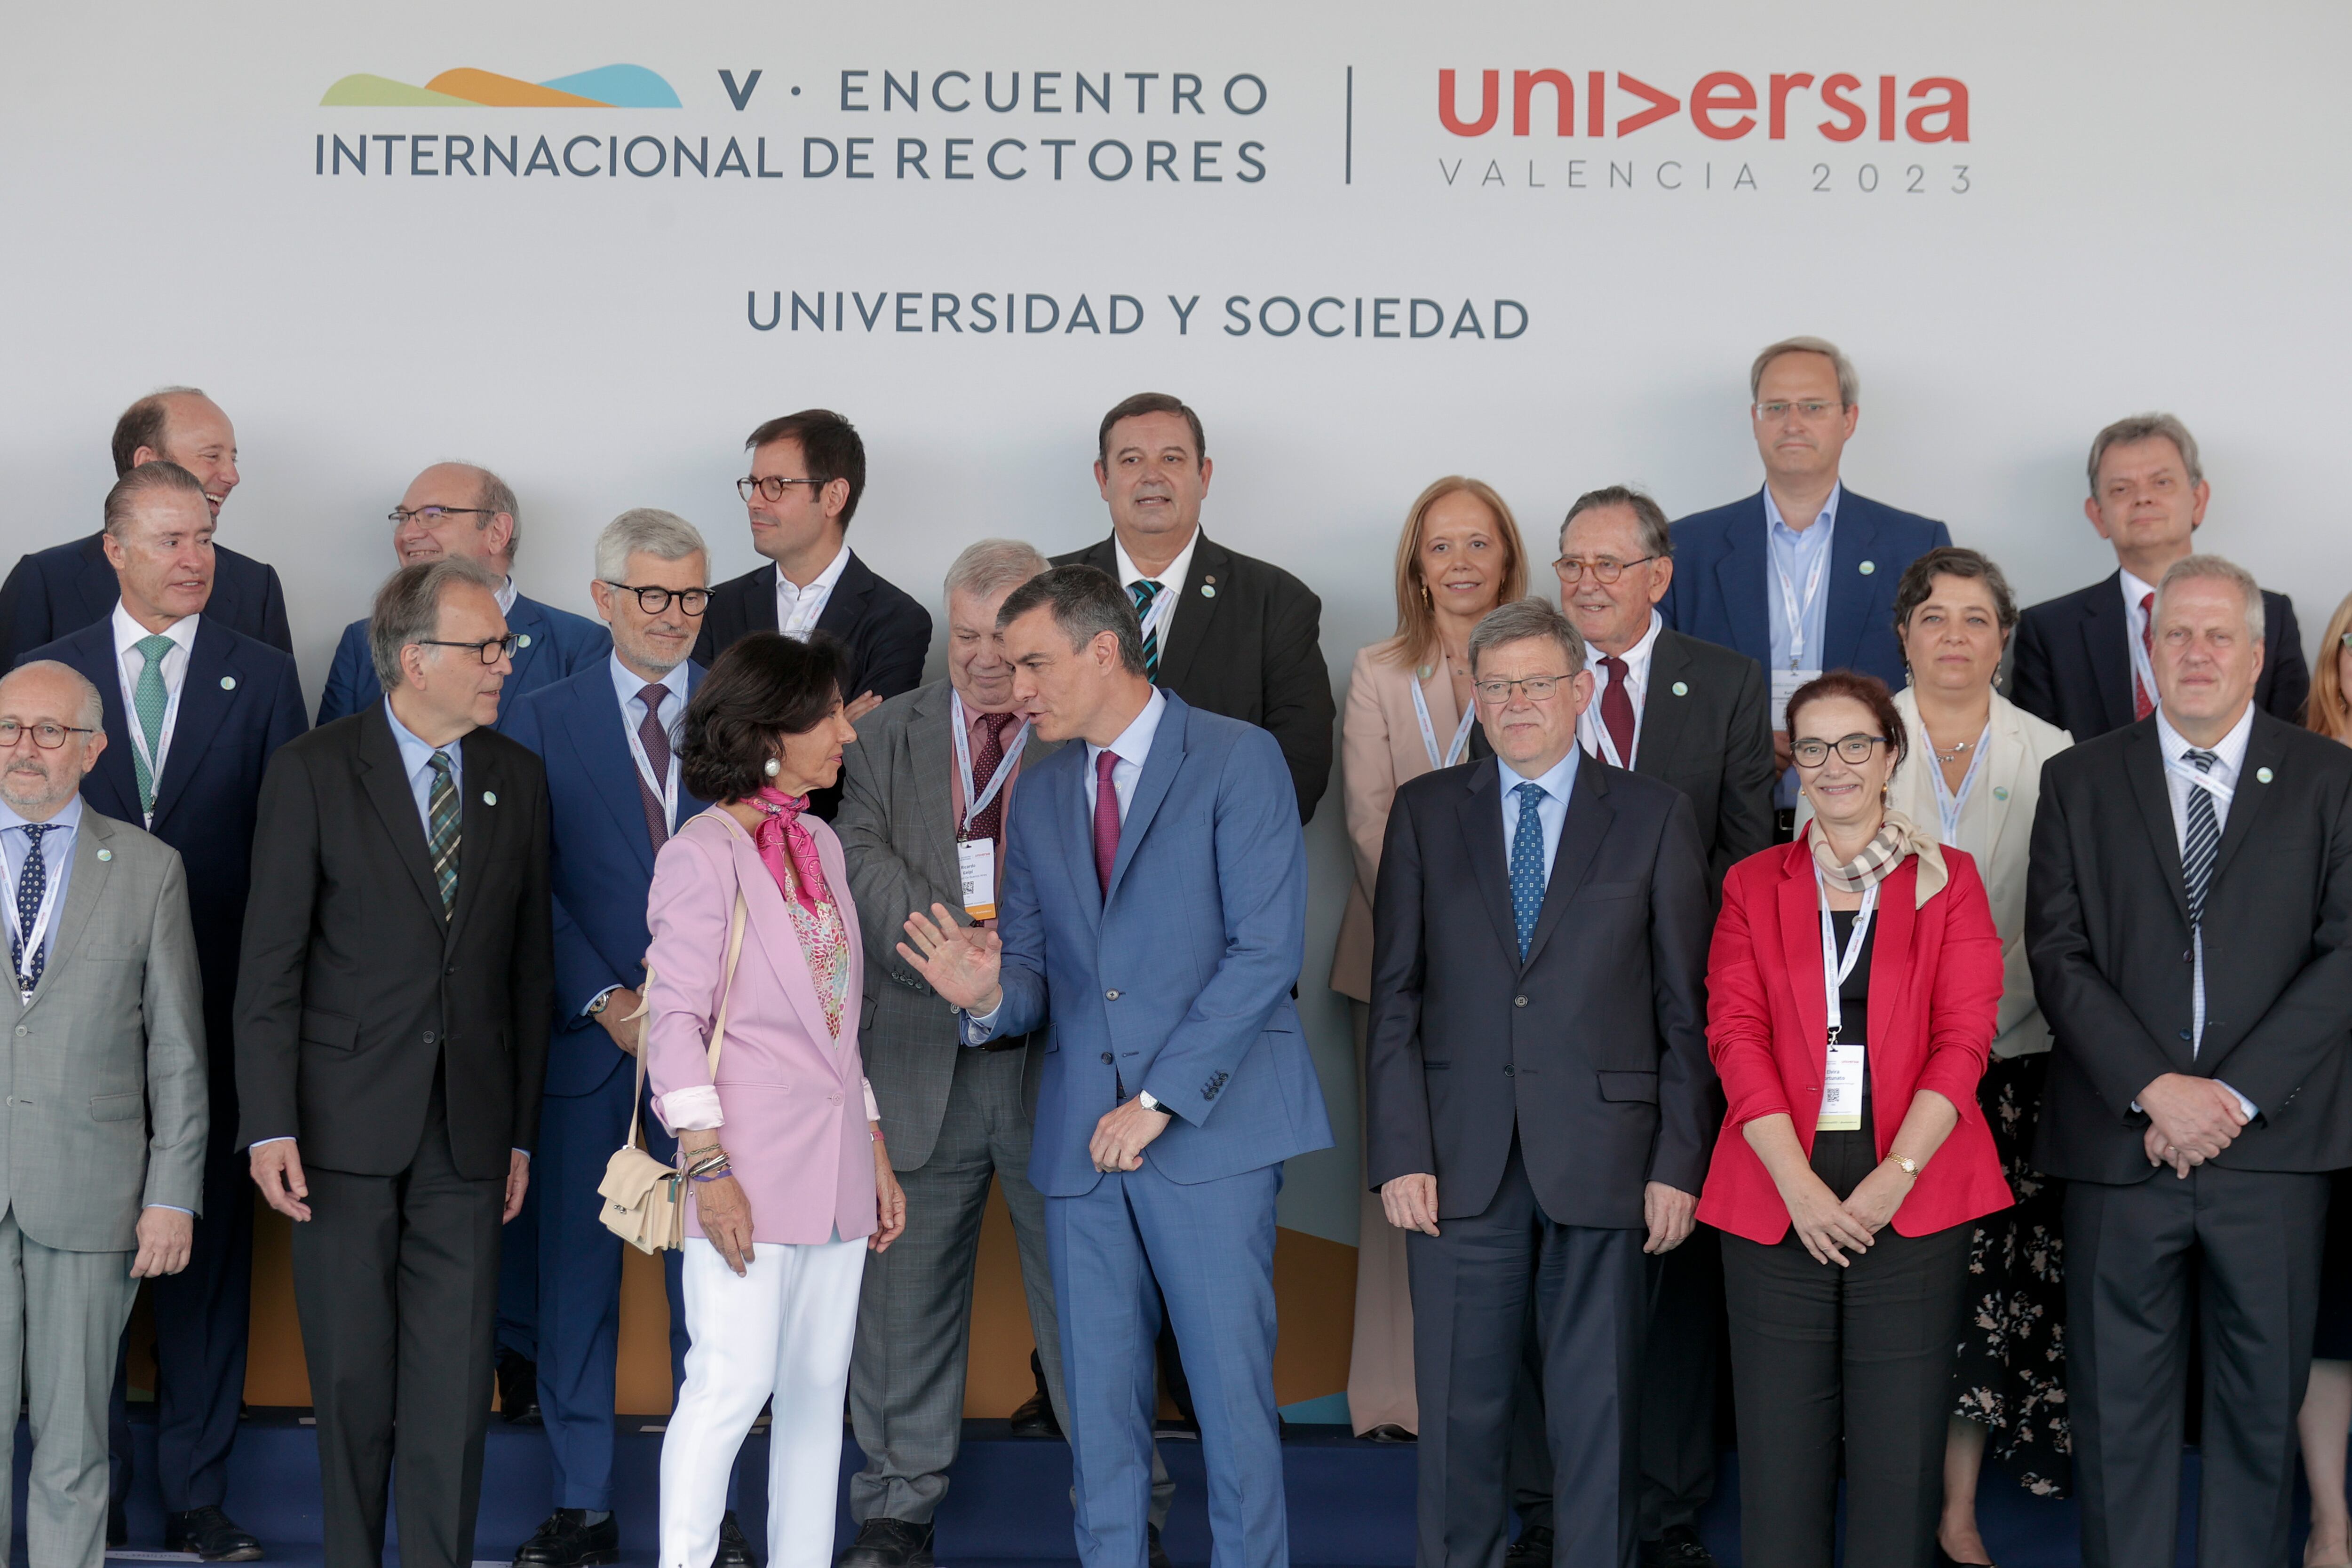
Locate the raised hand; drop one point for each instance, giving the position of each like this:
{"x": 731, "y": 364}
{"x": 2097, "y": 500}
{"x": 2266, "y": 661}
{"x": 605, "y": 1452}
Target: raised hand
{"x": 960, "y": 962}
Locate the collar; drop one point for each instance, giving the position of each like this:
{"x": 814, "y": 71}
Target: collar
{"x": 1637, "y": 657}
{"x": 415, "y": 754}
{"x": 1134, "y": 742}
{"x": 1170, "y": 580}
{"x": 508, "y": 594}
{"x": 628, "y": 682}
{"x": 2230, "y": 749}
{"x": 2134, "y": 591}
{"x": 1557, "y": 781}
{"x": 128, "y": 633}
{"x": 69, "y": 815}
{"x": 822, "y": 582}
{"x": 1773, "y": 520}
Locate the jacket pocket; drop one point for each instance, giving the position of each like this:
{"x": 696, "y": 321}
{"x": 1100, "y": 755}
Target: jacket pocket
{"x": 117, "y": 1107}
{"x": 1642, "y": 1087}
{"x": 332, "y": 1029}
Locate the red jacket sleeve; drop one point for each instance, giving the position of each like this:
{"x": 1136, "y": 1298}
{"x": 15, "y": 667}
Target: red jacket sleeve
{"x": 1962, "y": 1009}
{"x": 1739, "y": 1013}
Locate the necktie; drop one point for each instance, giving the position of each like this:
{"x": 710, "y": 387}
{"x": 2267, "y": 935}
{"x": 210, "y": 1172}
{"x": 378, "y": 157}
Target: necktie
{"x": 32, "y": 886}
{"x": 1144, "y": 592}
{"x": 150, "y": 700}
{"x": 2143, "y": 701}
{"x": 1617, "y": 710}
{"x": 442, "y": 808}
{"x": 1527, "y": 865}
{"x": 985, "y": 757}
{"x": 2203, "y": 841}
{"x": 1105, "y": 818}
{"x": 656, "y": 740}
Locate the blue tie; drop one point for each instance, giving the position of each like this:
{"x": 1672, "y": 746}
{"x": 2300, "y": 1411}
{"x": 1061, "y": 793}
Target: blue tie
{"x": 32, "y": 887}
{"x": 1527, "y": 866}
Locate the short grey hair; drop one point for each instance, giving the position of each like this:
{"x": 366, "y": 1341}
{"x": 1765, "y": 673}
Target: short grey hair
{"x": 2142, "y": 427}
{"x": 1649, "y": 517}
{"x": 408, "y": 609}
{"x": 1085, "y": 602}
{"x": 646, "y": 531}
{"x": 1521, "y": 620}
{"x": 89, "y": 708}
{"x": 2214, "y": 569}
{"x": 1849, "y": 384}
{"x": 992, "y": 565}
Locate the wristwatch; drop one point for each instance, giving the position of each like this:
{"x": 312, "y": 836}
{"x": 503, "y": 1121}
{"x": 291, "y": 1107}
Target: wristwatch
{"x": 604, "y": 999}
{"x": 1143, "y": 1097}
{"x": 1908, "y": 1165}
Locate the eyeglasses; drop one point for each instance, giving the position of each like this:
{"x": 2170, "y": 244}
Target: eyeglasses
{"x": 1854, "y": 749}
{"x": 1538, "y": 688}
{"x": 48, "y": 737}
{"x": 1605, "y": 571}
{"x": 432, "y": 517}
{"x": 490, "y": 649}
{"x": 1773, "y": 411}
{"x": 654, "y": 601}
{"x": 770, "y": 488}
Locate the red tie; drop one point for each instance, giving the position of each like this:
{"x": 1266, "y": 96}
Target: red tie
{"x": 656, "y": 740}
{"x": 1105, "y": 818}
{"x": 2143, "y": 704}
{"x": 990, "y": 823}
{"x": 1617, "y": 709}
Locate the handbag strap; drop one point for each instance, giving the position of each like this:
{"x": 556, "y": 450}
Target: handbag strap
{"x": 643, "y": 1017}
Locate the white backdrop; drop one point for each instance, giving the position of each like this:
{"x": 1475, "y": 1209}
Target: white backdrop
{"x": 2154, "y": 217}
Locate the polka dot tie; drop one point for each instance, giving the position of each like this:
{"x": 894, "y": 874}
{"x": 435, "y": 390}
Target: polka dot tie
{"x": 32, "y": 886}
{"x": 1527, "y": 865}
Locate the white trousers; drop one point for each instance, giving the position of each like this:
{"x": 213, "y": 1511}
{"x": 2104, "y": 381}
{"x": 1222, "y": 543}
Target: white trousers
{"x": 783, "y": 1331}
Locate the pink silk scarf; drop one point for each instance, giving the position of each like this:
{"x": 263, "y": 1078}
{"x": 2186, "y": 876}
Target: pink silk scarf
{"x": 780, "y": 834}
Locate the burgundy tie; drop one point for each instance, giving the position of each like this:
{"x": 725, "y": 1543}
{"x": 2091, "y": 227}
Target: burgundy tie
{"x": 2144, "y": 704}
{"x": 1617, "y": 709}
{"x": 656, "y": 740}
{"x": 990, "y": 823}
{"x": 1105, "y": 818}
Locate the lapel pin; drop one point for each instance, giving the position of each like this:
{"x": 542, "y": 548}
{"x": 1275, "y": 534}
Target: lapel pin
{"x": 1868, "y": 567}
{"x": 229, "y": 683}
{"x": 1208, "y": 590}
{"x": 490, "y": 797}
{"x": 2000, "y": 791}
{"x": 2263, "y": 775}
{"x": 522, "y": 640}
{"x": 106, "y": 854}
{"x": 1681, "y": 689}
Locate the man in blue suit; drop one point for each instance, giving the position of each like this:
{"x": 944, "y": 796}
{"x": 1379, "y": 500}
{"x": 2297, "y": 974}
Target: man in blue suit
{"x": 608, "y": 737}
{"x": 57, "y": 591}
{"x": 456, "y": 508}
{"x": 1153, "y": 905}
{"x": 193, "y": 713}
{"x": 1801, "y": 576}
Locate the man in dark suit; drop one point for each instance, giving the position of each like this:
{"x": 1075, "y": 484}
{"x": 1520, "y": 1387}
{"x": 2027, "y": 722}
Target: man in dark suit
{"x": 392, "y": 1020}
{"x": 1537, "y": 1089}
{"x": 2085, "y": 660}
{"x": 1801, "y": 576}
{"x": 2190, "y": 921}
{"x": 59, "y": 590}
{"x": 1226, "y": 633}
{"x": 193, "y": 713}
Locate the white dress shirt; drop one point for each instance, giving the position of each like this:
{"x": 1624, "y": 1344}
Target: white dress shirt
{"x": 797, "y": 608}
{"x": 2178, "y": 775}
{"x": 507, "y": 595}
{"x": 1590, "y": 732}
{"x": 56, "y": 859}
{"x": 1170, "y": 582}
{"x": 1551, "y": 811}
{"x": 130, "y": 664}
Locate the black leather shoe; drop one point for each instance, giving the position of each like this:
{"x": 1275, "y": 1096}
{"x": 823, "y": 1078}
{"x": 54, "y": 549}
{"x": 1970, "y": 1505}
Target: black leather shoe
{"x": 1679, "y": 1547}
{"x": 1532, "y": 1548}
{"x": 734, "y": 1546}
{"x": 517, "y": 1390}
{"x": 117, "y": 1525}
{"x": 566, "y": 1539}
{"x": 1389, "y": 1432}
{"x": 888, "y": 1543}
{"x": 1036, "y": 1418}
{"x": 1158, "y": 1552}
{"x": 211, "y": 1535}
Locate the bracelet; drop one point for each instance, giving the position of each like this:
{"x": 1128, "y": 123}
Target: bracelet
{"x": 1904, "y": 1164}
{"x": 722, "y": 1172}
{"x": 701, "y": 1160}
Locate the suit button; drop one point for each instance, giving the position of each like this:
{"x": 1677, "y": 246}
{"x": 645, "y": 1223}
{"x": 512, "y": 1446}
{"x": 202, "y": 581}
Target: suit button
{"x": 21, "y": 1029}
{"x": 836, "y": 1099}
{"x": 1110, "y": 996}
{"x": 1519, "y": 1001}
{"x": 2184, "y": 1034}
{"x": 1509, "y": 1071}
{"x": 1106, "y": 1059}
{"x": 450, "y": 970}
{"x": 428, "y": 1037}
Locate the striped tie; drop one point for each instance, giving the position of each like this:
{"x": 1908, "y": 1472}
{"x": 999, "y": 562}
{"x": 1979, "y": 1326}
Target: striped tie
{"x": 1144, "y": 592}
{"x": 2204, "y": 840}
{"x": 150, "y": 700}
{"x": 444, "y": 838}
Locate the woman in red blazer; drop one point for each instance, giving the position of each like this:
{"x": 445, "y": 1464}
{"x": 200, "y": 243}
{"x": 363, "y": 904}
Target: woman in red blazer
{"x": 1854, "y": 1155}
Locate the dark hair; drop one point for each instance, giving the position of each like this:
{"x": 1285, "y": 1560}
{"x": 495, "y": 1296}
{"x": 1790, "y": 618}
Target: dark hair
{"x": 766, "y": 685}
{"x": 1150, "y": 402}
{"x": 1085, "y": 603}
{"x": 143, "y": 424}
{"x": 830, "y": 450}
{"x": 1868, "y": 690}
{"x": 159, "y": 474}
{"x": 1952, "y": 560}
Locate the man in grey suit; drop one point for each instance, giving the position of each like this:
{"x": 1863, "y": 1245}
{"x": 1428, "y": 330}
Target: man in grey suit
{"x": 100, "y": 1181}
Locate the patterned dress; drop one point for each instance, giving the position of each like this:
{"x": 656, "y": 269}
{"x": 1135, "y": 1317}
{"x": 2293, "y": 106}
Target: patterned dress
{"x": 824, "y": 941}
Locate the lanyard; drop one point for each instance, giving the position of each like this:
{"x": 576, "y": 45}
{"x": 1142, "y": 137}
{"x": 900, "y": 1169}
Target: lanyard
{"x": 1835, "y": 966}
{"x": 2222, "y": 793}
{"x": 154, "y": 760}
{"x": 1163, "y": 604}
{"x": 1429, "y": 731}
{"x": 664, "y": 789}
{"x": 1795, "y": 612}
{"x": 961, "y": 729}
{"x": 1948, "y": 804}
{"x": 29, "y": 942}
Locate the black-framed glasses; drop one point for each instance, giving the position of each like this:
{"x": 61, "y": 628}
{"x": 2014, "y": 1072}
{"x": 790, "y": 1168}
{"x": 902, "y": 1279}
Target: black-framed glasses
{"x": 489, "y": 649}
{"x": 1539, "y": 688}
{"x": 654, "y": 601}
{"x": 1605, "y": 571}
{"x": 48, "y": 737}
{"x": 1854, "y": 749}
{"x": 432, "y": 517}
{"x": 770, "y": 486}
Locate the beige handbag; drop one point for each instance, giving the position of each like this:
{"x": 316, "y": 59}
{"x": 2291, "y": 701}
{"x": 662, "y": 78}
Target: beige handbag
{"x": 645, "y": 1200}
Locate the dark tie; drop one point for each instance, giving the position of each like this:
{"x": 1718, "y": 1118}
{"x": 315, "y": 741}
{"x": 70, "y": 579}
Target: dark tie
{"x": 2143, "y": 701}
{"x": 2204, "y": 840}
{"x": 1106, "y": 819}
{"x": 1144, "y": 592}
{"x": 656, "y": 740}
{"x": 442, "y": 808}
{"x": 990, "y": 823}
{"x": 32, "y": 886}
{"x": 1527, "y": 865}
{"x": 1617, "y": 710}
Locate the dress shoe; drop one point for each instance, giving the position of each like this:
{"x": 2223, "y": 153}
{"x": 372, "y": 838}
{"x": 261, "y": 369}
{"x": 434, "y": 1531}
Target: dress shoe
{"x": 888, "y": 1543}
{"x": 1532, "y": 1548}
{"x": 1036, "y": 1418}
{"x": 734, "y": 1546}
{"x": 211, "y": 1535}
{"x": 1945, "y": 1559}
{"x": 566, "y": 1539}
{"x": 517, "y": 1390}
{"x": 1679, "y": 1547}
{"x": 1389, "y": 1432}
{"x": 1158, "y": 1552}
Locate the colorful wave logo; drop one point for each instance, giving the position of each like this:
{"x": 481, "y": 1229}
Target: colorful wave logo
{"x": 607, "y": 86}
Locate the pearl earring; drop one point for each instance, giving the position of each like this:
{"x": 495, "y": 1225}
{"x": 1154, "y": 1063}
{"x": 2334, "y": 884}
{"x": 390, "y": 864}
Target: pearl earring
{"x": 772, "y": 768}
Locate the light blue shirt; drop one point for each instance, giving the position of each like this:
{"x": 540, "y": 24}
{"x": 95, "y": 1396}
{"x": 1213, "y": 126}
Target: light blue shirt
{"x": 1551, "y": 811}
{"x": 57, "y": 856}
{"x": 628, "y": 684}
{"x": 416, "y": 761}
{"x": 1794, "y": 555}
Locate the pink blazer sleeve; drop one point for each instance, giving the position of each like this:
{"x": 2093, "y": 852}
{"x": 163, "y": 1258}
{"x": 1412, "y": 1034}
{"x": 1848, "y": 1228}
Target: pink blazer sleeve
{"x": 688, "y": 912}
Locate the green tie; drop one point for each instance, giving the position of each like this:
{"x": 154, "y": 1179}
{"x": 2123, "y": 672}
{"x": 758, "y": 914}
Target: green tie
{"x": 152, "y": 701}
{"x": 443, "y": 812}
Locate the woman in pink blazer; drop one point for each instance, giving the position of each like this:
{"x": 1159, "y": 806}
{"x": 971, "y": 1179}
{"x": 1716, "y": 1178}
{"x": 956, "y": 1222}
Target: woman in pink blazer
{"x": 790, "y": 1181}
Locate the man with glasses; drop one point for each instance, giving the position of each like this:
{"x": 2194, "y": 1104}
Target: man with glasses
{"x": 392, "y": 1025}
{"x": 1801, "y": 576}
{"x": 193, "y": 712}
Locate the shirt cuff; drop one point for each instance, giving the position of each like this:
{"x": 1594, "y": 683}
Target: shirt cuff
{"x": 981, "y": 1029}
{"x": 175, "y": 1208}
{"x": 524, "y": 1153}
{"x": 2243, "y": 1103}
{"x": 281, "y": 1138}
{"x": 590, "y": 1010}
{"x": 694, "y": 1110}
{"x": 872, "y": 1111}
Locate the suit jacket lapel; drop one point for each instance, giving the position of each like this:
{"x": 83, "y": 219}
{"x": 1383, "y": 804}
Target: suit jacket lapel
{"x": 769, "y": 926}
{"x": 1193, "y": 613}
{"x": 1742, "y": 575}
{"x": 930, "y": 758}
{"x": 2144, "y": 765}
{"x": 760, "y": 609}
{"x": 2264, "y": 752}
{"x": 1999, "y": 777}
{"x": 1662, "y": 717}
{"x": 385, "y": 783}
{"x": 83, "y": 890}
{"x": 204, "y": 706}
{"x": 1586, "y": 823}
{"x": 1854, "y": 538}
{"x": 1799, "y": 907}
{"x": 481, "y": 824}
{"x": 844, "y": 607}
{"x": 113, "y": 785}
{"x": 1897, "y": 921}
{"x": 96, "y": 583}
{"x": 1075, "y": 811}
{"x": 598, "y": 729}
{"x": 1481, "y": 820}
{"x": 1160, "y": 769}
{"x": 2107, "y": 647}
{"x": 529, "y": 620}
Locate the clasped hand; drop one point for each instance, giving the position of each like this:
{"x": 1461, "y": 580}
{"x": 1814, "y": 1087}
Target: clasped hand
{"x": 1830, "y": 1229}
{"x": 2189, "y": 1121}
{"x": 962, "y": 962}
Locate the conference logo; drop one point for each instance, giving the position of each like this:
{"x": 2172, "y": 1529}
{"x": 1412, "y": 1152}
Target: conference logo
{"x": 607, "y": 86}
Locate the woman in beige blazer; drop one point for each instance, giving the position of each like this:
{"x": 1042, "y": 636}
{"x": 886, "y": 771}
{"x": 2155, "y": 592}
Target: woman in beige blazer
{"x": 1458, "y": 558}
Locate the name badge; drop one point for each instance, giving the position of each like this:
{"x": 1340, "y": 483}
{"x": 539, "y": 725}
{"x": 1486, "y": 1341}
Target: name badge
{"x": 1784, "y": 686}
{"x": 1841, "y": 1090}
{"x": 976, "y": 868}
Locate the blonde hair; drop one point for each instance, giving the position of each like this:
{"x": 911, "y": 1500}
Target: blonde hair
{"x": 1416, "y": 634}
{"x": 2330, "y": 711}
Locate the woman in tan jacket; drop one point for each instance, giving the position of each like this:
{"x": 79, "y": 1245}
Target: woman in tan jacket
{"x": 1408, "y": 711}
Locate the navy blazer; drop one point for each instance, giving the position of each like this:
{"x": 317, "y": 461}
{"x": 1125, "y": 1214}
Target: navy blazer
{"x": 887, "y": 633}
{"x": 1723, "y": 578}
{"x": 55, "y": 592}
{"x": 2074, "y": 663}
{"x": 240, "y": 701}
{"x": 600, "y": 860}
{"x": 562, "y": 645}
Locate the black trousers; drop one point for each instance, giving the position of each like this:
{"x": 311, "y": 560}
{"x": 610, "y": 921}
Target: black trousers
{"x": 1853, "y": 1363}
{"x": 2252, "y": 1240}
{"x": 1473, "y": 1286}
{"x": 396, "y": 1278}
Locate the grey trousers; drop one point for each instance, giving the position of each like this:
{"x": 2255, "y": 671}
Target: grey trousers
{"x": 914, "y": 1317}
{"x": 61, "y": 1315}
